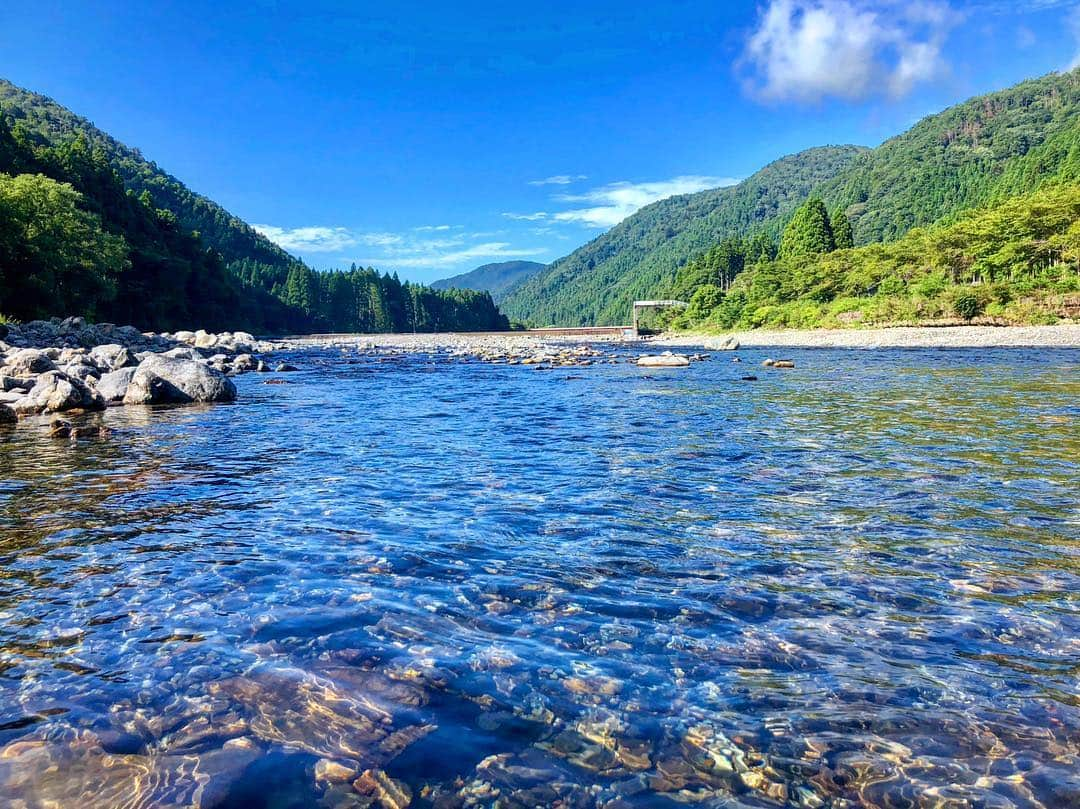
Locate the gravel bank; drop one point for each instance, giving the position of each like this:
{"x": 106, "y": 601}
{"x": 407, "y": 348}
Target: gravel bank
{"x": 1066, "y": 336}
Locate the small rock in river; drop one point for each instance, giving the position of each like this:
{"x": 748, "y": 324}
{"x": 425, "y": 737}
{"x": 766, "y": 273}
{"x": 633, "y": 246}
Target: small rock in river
{"x": 663, "y": 361}
{"x": 328, "y": 771}
{"x": 283, "y": 367}
{"x": 377, "y": 784}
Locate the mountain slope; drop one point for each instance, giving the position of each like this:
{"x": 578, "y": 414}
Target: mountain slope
{"x": 133, "y": 240}
{"x": 498, "y": 279}
{"x": 1002, "y": 143}
{"x": 51, "y": 123}
{"x": 987, "y": 148}
{"x": 596, "y": 283}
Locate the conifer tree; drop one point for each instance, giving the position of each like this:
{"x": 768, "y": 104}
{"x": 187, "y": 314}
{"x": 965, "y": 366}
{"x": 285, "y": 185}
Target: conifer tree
{"x": 842, "y": 232}
{"x": 809, "y": 232}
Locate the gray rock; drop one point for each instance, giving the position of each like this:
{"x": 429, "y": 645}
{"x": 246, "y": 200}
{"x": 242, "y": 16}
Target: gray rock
{"x": 180, "y": 353}
{"x": 7, "y": 415}
{"x": 16, "y": 383}
{"x": 55, "y": 392}
{"x": 243, "y": 363}
{"x": 29, "y": 361}
{"x": 81, "y": 370}
{"x": 70, "y": 325}
{"x": 112, "y": 357}
{"x": 205, "y": 340}
{"x": 284, "y": 366}
{"x": 114, "y": 385}
{"x": 160, "y": 379}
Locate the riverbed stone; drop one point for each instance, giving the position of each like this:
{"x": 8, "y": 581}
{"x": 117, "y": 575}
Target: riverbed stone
{"x": 55, "y": 392}
{"x": 666, "y": 360}
{"x": 28, "y": 361}
{"x": 7, "y": 415}
{"x": 160, "y": 379}
{"x": 179, "y": 353}
{"x": 113, "y": 385}
{"x": 112, "y": 357}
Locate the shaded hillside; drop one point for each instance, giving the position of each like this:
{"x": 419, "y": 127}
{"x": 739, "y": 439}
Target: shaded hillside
{"x": 88, "y": 226}
{"x": 498, "y": 279}
{"x": 596, "y": 283}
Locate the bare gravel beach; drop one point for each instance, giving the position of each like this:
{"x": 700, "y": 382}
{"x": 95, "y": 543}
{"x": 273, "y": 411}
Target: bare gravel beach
{"x": 1063, "y": 336}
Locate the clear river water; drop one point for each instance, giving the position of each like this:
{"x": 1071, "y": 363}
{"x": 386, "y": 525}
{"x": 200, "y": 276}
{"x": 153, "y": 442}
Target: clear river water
{"x": 855, "y": 583}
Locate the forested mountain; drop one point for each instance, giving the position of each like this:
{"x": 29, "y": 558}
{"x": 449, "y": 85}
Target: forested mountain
{"x": 596, "y": 283}
{"x": 88, "y": 226}
{"x": 498, "y": 279}
{"x": 976, "y": 153}
{"x": 1016, "y": 260}
{"x": 42, "y": 120}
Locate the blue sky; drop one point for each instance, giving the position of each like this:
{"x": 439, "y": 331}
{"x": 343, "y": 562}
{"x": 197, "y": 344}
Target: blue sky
{"x": 429, "y": 138}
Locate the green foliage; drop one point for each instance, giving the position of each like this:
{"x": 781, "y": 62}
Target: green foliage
{"x": 809, "y": 233}
{"x": 52, "y": 251}
{"x": 641, "y": 256}
{"x": 117, "y": 238}
{"x": 1015, "y": 259}
{"x": 704, "y": 301}
{"x": 966, "y": 304}
{"x": 984, "y": 150}
{"x": 843, "y": 235}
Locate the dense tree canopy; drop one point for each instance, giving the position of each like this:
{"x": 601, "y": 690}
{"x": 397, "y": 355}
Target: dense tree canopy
{"x": 88, "y": 226}
{"x": 985, "y": 149}
{"x": 809, "y": 233}
{"x": 1017, "y": 259}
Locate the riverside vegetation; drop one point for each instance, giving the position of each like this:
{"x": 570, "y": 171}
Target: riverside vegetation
{"x": 969, "y": 213}
{"x": 89, "y": 227}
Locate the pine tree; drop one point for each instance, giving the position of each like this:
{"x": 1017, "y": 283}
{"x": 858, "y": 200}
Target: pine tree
{"x": 809, "y": 232}
{"x": 842, "y": 232}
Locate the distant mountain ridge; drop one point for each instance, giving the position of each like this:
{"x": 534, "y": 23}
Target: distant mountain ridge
{"x": 498, "y": 278}
{"x": 1004, "y": 143}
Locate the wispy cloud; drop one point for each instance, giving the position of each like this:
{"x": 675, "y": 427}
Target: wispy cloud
{"x": 809, "y": 50}
{"x": 439, "y": 259}
{"x": 527, "y": 217}
{"x": 560, "y": 179}
{"x": 311, "y": 239}
{"x": 614, "y": 202}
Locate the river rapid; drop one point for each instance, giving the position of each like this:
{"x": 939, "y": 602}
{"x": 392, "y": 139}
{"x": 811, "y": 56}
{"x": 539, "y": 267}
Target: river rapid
{"x": 416, "y": 579}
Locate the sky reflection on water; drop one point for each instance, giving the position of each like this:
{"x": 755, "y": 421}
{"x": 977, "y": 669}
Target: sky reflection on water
{"x": 854, "y": 583}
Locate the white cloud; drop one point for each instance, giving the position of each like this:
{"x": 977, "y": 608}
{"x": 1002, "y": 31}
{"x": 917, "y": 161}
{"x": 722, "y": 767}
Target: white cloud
{"x": 616, "y": 201}
{"x": 427, "y": 256}
{"x": 808, "y": 50}
{"x": 527, "y": 217}
{"x": 430, "y": 228}
{"x": 312, "y": 239}
{"x": 560, "y": 179}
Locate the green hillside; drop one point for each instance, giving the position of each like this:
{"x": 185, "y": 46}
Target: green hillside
{"x": 1016, "y": 260}
{"x": 596, "y": 283}
{"x": 498, "y": 279}
{"x": 89, "y": 226}
{"x": 982, "y": 150}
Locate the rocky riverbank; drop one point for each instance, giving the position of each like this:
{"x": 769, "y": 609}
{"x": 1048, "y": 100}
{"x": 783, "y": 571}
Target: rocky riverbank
{"x": 1062, "y": 336}
{"x": 71, "y": 366}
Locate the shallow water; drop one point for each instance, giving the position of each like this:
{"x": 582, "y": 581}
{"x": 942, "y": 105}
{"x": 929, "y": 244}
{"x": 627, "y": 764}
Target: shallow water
{"x": 856, "y": 583}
